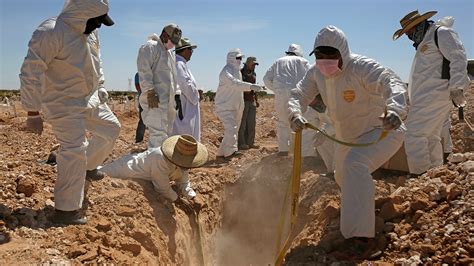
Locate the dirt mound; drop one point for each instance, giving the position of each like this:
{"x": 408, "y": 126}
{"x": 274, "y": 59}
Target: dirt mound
{"x": 420, "y": 220}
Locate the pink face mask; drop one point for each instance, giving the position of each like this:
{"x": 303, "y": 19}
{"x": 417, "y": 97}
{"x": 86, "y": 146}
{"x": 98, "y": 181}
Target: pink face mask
{"x": 328, "y": 67}
{"x": 169, "y": 45}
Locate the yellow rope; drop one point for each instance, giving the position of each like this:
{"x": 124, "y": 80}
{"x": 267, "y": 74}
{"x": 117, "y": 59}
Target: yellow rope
{"x": 294, "y": 185}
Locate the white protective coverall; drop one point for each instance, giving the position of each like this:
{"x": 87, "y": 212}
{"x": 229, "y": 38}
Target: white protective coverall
{"x": 157, "y": 71}
{"x": 152, "y": 165}
{"x": 312, "y": 141}
{"x": 355, "y": 99}
{"x": 429, "y": 95}
{"x": 60, "y": 76}
{"x": 446, "y": 140}
{"x": 281, "y": 77}
{"x": 230, "y": 103}
{"x": 191, "y": 123}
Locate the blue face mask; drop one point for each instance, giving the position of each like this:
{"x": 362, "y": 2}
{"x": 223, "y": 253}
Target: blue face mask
{"x": 418, "y": 34}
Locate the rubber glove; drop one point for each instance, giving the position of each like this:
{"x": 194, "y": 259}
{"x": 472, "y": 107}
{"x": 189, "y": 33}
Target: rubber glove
{"x": 298, "y": 123}
{"x": 391, "y": 121}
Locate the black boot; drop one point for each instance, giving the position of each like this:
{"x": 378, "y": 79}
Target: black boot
{"x": 68, "y": 217}
{"x": 94, "y": 175}
{"x": 445, "y": 157}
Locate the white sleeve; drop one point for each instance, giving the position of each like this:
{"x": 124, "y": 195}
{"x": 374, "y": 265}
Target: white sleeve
{"x": 160, "y": 176}
{"x": 147, "y": 56}
{"x": 186, "y": 84}
{"x": 452, "y": 48}
{"x": 235, "y": 83}
{"x": 42, "y": 49}
{"x": 269, "y": 76}
{"x": 303, "y": 94}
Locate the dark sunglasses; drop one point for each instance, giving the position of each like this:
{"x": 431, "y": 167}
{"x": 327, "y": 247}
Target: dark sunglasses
{"x": 239, "y": 58}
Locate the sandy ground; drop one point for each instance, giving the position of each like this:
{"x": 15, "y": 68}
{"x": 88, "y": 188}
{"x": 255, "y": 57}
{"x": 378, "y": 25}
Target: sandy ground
{"x": 423, "y": 220}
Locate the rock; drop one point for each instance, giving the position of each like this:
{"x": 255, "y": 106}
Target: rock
{"x": 52, "y": 251}
{"x": 456, "y": 157}
{"x": 5, "y": 211}
{"x": 117, "y": 184}
{"x": 331, "y": 211}
{"x": 25, "y": 185}
{"x": 90, "y": 255}
{"x": 449, "y": 228}
{"x": 76, "y": 251}
{"x": 419, "y": 204}
{"x": 468, "y": 166}
{"x": 427, "y": 249}
{"x": 390, "y": 210}
{"x": 450, "y": 258}
{"x": 453, "y": 191}
{"x": 132, "y": 247}
{"x": 49, "y": 203}
{"x": 126, "y": 211}
{"x": 103, "y": 225}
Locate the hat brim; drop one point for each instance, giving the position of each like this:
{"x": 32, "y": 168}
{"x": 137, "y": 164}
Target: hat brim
{"x": 185, "y": 47}
{"x": 412, "y": 24}
{"x": 107, "y": 20}
{"x": 168, "y": 149}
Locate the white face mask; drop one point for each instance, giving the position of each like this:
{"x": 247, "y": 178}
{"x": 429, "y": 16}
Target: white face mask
{"x": 169, "y": 44}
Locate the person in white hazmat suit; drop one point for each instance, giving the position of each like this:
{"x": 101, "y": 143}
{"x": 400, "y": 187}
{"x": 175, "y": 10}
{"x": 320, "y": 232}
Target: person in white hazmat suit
{"x": 363, "y": 99}
{"x": 162, "y": 165}
{"x": 281, "y": 77}
{"x": 62, "y": 77}
{"x": 431, "y": 94}
{"x": 188, "y": 120}
{"x": 229, "y": 103}
{"x": 313, "y": 141}
{"x": 156, "y": 65}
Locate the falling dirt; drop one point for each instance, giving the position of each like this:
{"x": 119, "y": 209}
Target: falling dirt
{"x": 424, "y": 220}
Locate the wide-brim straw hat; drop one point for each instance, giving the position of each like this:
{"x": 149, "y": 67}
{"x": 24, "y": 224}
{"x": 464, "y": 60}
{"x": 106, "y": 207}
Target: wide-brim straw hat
{"x": 184, "y": 151}
{"x": 411, "y": 20}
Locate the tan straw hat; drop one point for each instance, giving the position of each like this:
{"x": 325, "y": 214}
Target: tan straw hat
{"x": 411, "y": 20}
{"x": 184, "y": 151}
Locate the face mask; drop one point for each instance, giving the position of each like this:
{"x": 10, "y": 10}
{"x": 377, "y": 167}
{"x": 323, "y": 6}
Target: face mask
{"x": 169, "y": 44}
{"x": 418, "y": 34}
{"x": 328, "y": 67}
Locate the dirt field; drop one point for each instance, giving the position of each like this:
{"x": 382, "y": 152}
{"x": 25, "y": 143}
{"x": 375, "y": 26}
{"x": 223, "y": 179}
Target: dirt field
{"x": 423, "y": 220}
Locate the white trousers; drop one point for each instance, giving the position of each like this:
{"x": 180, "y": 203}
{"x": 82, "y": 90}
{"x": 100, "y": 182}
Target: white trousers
{"x": 283, "y": 124}
{"x": 354, "y": 166}
{"x": 423, "y": 139}
{"x": 76, "y": 154}
{"x": 446, "y": 140}
{"x": 158, "y": 123}
{"x": 231, "y": 120}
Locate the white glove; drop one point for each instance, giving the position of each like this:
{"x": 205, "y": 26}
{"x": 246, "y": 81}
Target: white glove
{"x": 255, "y": 87}
{"x": 34, "y": 123}
{"x": 458, "y": 98}
{"x": 103, "y": 95}
{"x": 391, "y": 121}
{"x": 298, "y": 123}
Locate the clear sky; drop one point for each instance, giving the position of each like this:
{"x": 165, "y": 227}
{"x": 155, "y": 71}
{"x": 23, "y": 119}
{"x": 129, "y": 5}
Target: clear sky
{"x": 260, "y": 28}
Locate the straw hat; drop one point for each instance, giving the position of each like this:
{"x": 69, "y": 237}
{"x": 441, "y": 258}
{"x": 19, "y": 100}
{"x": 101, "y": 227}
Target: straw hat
{"x": 184, "y": 151}
{"x": 411, "y": 20}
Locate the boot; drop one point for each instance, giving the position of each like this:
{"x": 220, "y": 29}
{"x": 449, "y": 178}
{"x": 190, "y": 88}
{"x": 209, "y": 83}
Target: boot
{"x": 94, "y": 175}
{"x": 68, "y": 217}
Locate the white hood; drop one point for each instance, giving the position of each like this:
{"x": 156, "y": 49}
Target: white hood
{"x": 75, "y": 13}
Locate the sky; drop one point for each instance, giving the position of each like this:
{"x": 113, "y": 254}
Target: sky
{"x": 263, "y": 29}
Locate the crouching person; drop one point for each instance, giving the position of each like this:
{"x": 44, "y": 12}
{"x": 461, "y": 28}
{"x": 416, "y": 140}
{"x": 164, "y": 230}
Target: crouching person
{"x": 170, "y": 162}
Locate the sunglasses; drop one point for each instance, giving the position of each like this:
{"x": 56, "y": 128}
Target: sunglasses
{"x": 239, "y": 58}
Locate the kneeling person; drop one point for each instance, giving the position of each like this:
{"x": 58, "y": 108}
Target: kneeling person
{"x": 170, "y": 162}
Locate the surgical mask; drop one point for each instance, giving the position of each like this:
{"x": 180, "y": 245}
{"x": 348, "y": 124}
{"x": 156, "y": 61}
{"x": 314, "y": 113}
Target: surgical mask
{"x": 328, "y": 67}
{"x": 169, "y": 44}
